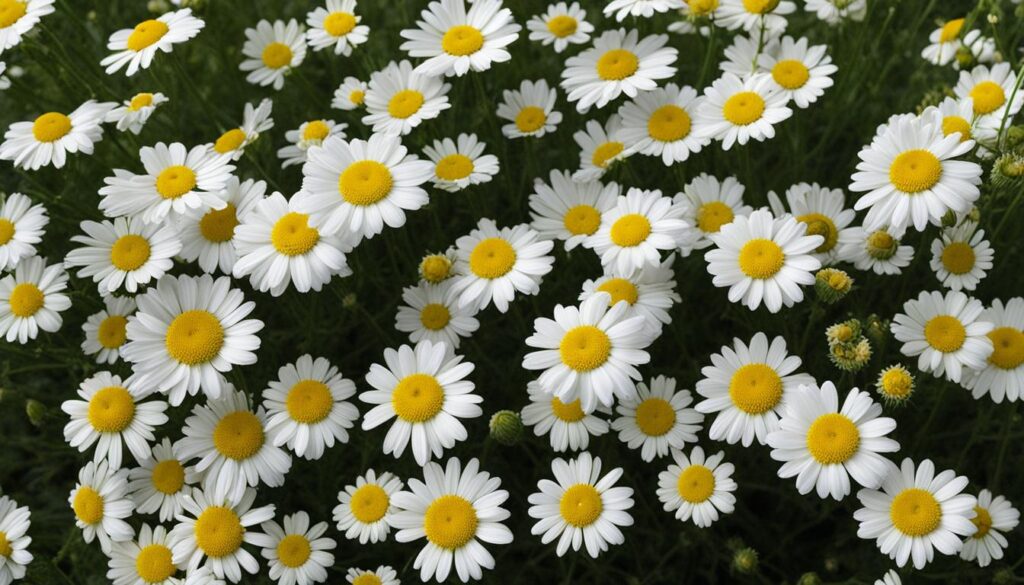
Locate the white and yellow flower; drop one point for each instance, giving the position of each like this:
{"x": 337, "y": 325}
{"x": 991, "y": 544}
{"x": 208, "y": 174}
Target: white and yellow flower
{"x": 382, "y": 575}
{"x": 753, "y": 15}
{"x": 879, "y": 250}
{"x": 146, "y": 560}
{"x": 709, "y": 204}
{"x": 106, "y": 331}
{"x": 310, "y": 134}
{"x": 22, "y": 226}
{"x": 657, "y": 418}
{"x": 993, "y": 517}
{"x": 100, "y": 505}
{"x": 697, "y": 488}
{"x": 255, "y": 120}
{"x": 271, "y": 51}
{"x": 455, "y": 40}
{"x": 297, "y": 552}
{"x": 567, "y": 426}
{"x": 350, "y": 95}
{"x": 132, "y": 115}
{"x": 31, "y": 299}
{"x": 822, "y": 211}
{"x": 600, "y": 148}
{"x": 560, "y": 25}
{"x": 336, "y": 25}
{"x": 640, "y": 8}
{"x": 461, "y": 162}
{"x": 20, "y": 17}
{"x": 160, "y": 483}
{"x": 661, "y": 123}
{"x": 50, "y": 137}
{"x": 399, "y": 99}
{"x": 944, "y": 42}
{"x": 1003, "y": 373}
{"x": 14, "y": 525}
{"x": 530, "y": 109}
{"x": 634, "y": 233}
{"x": 945, "y": 332}
{"x": 136, "y": 47}
{"x": 364, "y": 508}
{"x": 570, "y": 210}
{"x": 649, "y": 292}
{"x": 125, "y": 252}
{"x": 432, "y": 312}
{"x": 736, "y": 110}
{"x": 801, "y": 72}
{"x": 834, "y": 12}
{"x": 961, "y": 256}
{"x": 208, "y": 235}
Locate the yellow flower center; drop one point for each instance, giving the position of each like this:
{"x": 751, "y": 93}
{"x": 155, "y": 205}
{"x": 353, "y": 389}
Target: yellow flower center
{"x": 194, "y": 337}
{"x": 945, "y": 333}
{"x": 584, "y": 348}
{"x": 581, "y": 505}
{"x": 168, "y": 476}
{"x": 620, "y": 289}
{"x": 219, "y": 532}
{"x": 435, "y": 316}
{"x": 294, "y": 550}
{"x": 88, "y": 505}
{"x": 6, "y": 231}
{"x": 369, "y": 503}
{"x": 951, "y": 124}
{"x": 755, "y": 388}
{"x": 450, "y": 522}
{"x": 915, "y": 512}
{"x": 897, "y": 383}
{"x": 129, "y": 252}
{"x": 405, "y": 103}
{"x": 51, "y": 127}
{"x": 276, "y": 55}
{"x": 951, "y": 30}
{"x": 229, "y": 141}
{"x": 571, "y": 412}
{"x": 982, "y": 521}
{"x": 315, "y": 131}
{"x": 357, "y": 96}
{"x": 175, "y": 181}
{"x": 958, "y": 258}
{"x": 339, "y": 23}
{"x": 238, "y": 435}
{"x": 367, "y": 579}
{"x": 761, "y": 258}
{"x": 11, "y": 11}
{"x": 26, "y": 299}
{"x": 112, "y": 332}
{"x": 435, "y": 268}
{"x": 309, "y": 401}
{"x": 605, "y": 152}
{"x": 988, "y": 96}
{"x": 530, "y": 119}
{"x": 582, "y": 220}
{"x": 630, "y": 230}
{"x": 833, "y": 438}
{"x": 492, "y": 258}
{"x": 111, "y": 409}
{"x": 146, "y": 33}
{"x": 790, "y": 73}
{"x": 881, "y": 245}
{"x": 617, "y": 64}
{"x": 669, "y": 123}
{"x": 760, "y": 6}
{"x": 655, "y": 417}
{"x": 914, "y": 171}
{"x": 462, "y": 40}
{"x": 1009, "y": 348}
{"x": 365, "y": 182}
{"x": 154, "y": 563}
{"x": 218, "y": 225}
{"x": 142, "y": 100}
{"x": 454, "y": 167}
{"x": 702, "y": 7}
{"x": 822, "y": 225}
{"x": 713, "y": 215}
{"x": 417, "y": 398}
{"x": 743, "y": 108}
{"x": 696, "y": 484}
{"x": 292, "y": 235}
{"x": 562, "y": 25}
{"x": 6, "y": 550}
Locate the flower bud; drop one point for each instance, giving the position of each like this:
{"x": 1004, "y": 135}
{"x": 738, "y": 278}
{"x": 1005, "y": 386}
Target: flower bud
{"x": 744, "y": 561}
{"x": 832, "y": 284}
{"x": 895, "y": 384}
{"x": 506, "y": 427}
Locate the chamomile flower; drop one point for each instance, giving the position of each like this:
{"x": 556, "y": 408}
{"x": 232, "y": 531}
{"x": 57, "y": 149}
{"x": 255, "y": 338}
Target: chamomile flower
{"x": 100, "y": 504}
{"x": 619, "y": 62}
{"x": 640, "y": 8}
{"x": 309, "y": 134}
{"x": 52, "y": 136}
{"x": 581, "y": 507}
{"x": 454, "y": 508}
{"x": 1003, "y": 373}
{"x": 944, "y": 43}
{"x": 125, "y": 252}
{"x": 801, "y": 72}
{"x": 822, "y": 211}
{"x": 736, "y": 110}
{"x": 961, "y": 256}
{"x": 567, "y": 426}
{"x": 187, "y": 332}
{"x": 255, "y": 120}
{"x": 494, "y": 264}
{"x": 106, "y": 331}
{"x": 697, "y": 488}
{"x": 350, "y": 95}
{"x": 203, "y": 575}
{"x": 455, "y": 40}
{"x": 764, "y": 260}
{"x": 432, "y": 312}
{"x": 657, "y": 418}
{"x": 916, "y": 512}
{"x": 752, "y": 15}
{"x": 136, "y": 47}
{"x": 749, "y": 385}
{"x": 14, "y": 525}
{"x": 146, "y": 560}
{"x": 399, "y": 99}
{"x": 364, "y": 508}
{"x": 530, "y": 109}
{"x": 834, "y": 12}
{"x": 976, "y": 48}
{"x": 31, "y": 299}
{"x": 207, "y": 235}
{"x": 589, "y": 352}
{"x": 382, "y": 575}
{"x": 271, "y": 51}
{"x": 460, "y": 163}
{"x": 879, "y": 250}
{"x": 570, "y": 210}
{"x": 160, "y": 483}
{"x": 307, "y": 407}
{"x": 132, "y": 115}
{"x": 560, "y": 25}
{"x": 22, "y": 226}
{"x": 946, "y": 332}
{"x": 710, "y": 203}
{"x": 600, "y": 148}
{"x": 649, "y": 292}
{"x": 993, "y": 517}
{"x": 957, "y": 115}
{"x": 297, "y": 552}
{"x": 20, "y": 17}
{"x": 336, "y": 25}
{"x": 635, "y": 232}
{"x": 661, "y": 123}
{"x": 742, "y": 56}
{"x": 891, "y": 577}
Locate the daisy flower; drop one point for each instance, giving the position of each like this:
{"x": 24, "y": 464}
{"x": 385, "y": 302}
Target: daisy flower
{"x": 957, "y": 115}
{"x": 310, "y": 134}
{"x": 589, "y": 352}
{"x": 600, "y": 148}
{"x": 49, "y": 138}
{"x": 822, "y": 211}
{"x": 944, "y": 42}
{"x": 307, "y": 408}
{"x": 961, "y": 256}
{"x": 176, "y": 180}
{"x": 125, "y": 253}
{"x": 799, "y": 71}
{"x": 639, "y": 8}
{"x": 136, "y": 47}
{"x": 916, "y": 512}
{"x": 271, "y": 51}
{"x": 437, "y": 268}
{"x": 993, "y": 517}
{"x": 560, "y": 25}
{"x": 1003, "y": 373}
{"x": 834, "y": 12}
{"x": 454, "y": 508}
{"x": 132, "y": 115}
{"x": 946, "y": 332}
{"x": 18, "y": 18}
{"x": 230, "y": 440}
{"x": 424, "y": 390}
{"x": 364, "y": 509}
{"x": 297, "y": 552}
{"x": 657, "y": 418}
{"x": 708, "y": 204}
{"x": 399, "y": 99}
{"x": 187, "y": 332}
{"x": 570, "y": 210}
{"x": 494, "y": 264}
{"x": 581, "y": 507}
{"x": 100, "y": 504}
{"x": 160, "y": 483}
{"x": 207, "y": 235}
{"x": 634, "y": 232}
{"x": 879, "y": 250}
{"x": 736, "y": 110}
{"x": 764, "y": 260}
{"x": 567, "y": 426}
{"x": 749, "y": 385}
{"x": 350, "y": 95}
{"x": 432, "y": 312}
{"x": 753, "y": 15}
{"x": 31, "y": 299}
{"x": 530, "y": 109}
{"x": 255, "y": 120}
{"x": 697, "y": 488}
{"x": 106, "y": 331}
{"x": 360, "y": 186}
{"x": 455, "y": 40}
{"x": 742, "y": 56}
{"x": 146, "y": 560}
{"x": 660, "y": 123}
{"x": 14, "y": 525}
{"x": 978, "y": 49}
{"x": 823, "y": 445}
{"x": 460, "y": 163}
{"x": 891, "y": 577}
{"x": 382, "y": 575}
{"x": 619, "y": 62}
{"x": 649, "y": 292}
{"x": 336, "y": 25}
{"x": 203, "y": 575}
{"x": 22, "y": 226}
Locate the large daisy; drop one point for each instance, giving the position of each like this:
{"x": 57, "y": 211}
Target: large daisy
{"x": 634, "y": 233}
{"x": 208, "y": 235}
{"x": 455, "y": 40}
{"x": 20, "y": 17}
{"x": 136, "y": 47}
{"x": 364, "y": 508}
{"x": 100, "y": 504}
{"x": 432, "y": 312}
{"x": 991, "y": 91}
{"x": 737, "y": 110}
{"x": 570, "y": 210}
{"x": 22, "y": 225}
{"x": 1003, "y": 373}
{"x": 51, "y": 136}
{"x": 657, "y": 418}
{"x": 567, "y": 426}
{"x": 945, "y": 332}
{"x": 399, "y": 99}
{"x": 660, "y": 123}
{"x": 125, "y": 252}
{"x": 31, "y": 299}
{"x": 272, "y": 51}
{"x": 696, "y": 487}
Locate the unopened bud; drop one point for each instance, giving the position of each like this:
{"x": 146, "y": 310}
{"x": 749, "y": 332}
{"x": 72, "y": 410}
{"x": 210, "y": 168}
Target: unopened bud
{"x": 506, "y": 427}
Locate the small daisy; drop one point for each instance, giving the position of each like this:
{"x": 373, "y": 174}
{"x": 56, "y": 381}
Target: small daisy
{"x": 657, "y": 418}
{"x": 144, "y": 561}
{"x": 364, "y": 509}
{"x": 271, "y": 51}
{"x": 634, "y": 232}
{"x": 20, "y": 17}
{"x": 754, "y": 15}
{"x": 891, "y": 577}
{"x": 455, "y": 40}
{"x": 742, "y": 56}
{"x": 307, "y": 407}
{"x": 125, "y": 253}
{"x": 454, "y": 508}
{"x": 834, "y": 12}
{"x": 100, "y": 504}
{"x": 230, "y": 440}
{"x": 31, "y": 299}
{"x": 915, "y": 513}
{"x": 203, "y": 575}
{"x": 494, "y": 264}
{"x": 437, "y": 268}
{"x": 49, "y": 138}
{"x": 424, "y": 390}
{"x": 589, "y": 352}
{"x": 255, "y": 120}
{"x": 957, "y": 115}
{"x": 382, "y": 575}
{"x": 432, "y": 312}
{"x": 749, "y": 385}
{"x": 697, "y": 488}
{"x": 350, "y": 95}
{"x": 961, "y": 256}
{"x": 801, "y": 72}
{"x": 136, "y": 47}
{"x": 336, "y": 25}
{"x": 399, "y": 99}
{"x": 709, "y": 204}
{"x": 600, "y": 148}
{"x": 640, "y": 8}
{"x": 22, "y": 226}
{"x": 207, "y": 235}
{"x": 297, "y": 552}
{"x": 160, "y": 483}
{"x": 946, "y": 332}
{"x": 944, "y": 43}
{"x": 570, "y": 210}
{"x": 895, "y": 384}
{"x": 737, "y": 110}
{"x": 649, "y": 292}
{"x": 567, "y": 426}
{"x": 619, "y": 62}
{"x": 461, "y": 162}
{"x": 106, "y": 331}
{"x": 660, "y": 123}
{"x": 560, "y": 25}
{"x": 581, "y": 507}
{"x": 176, "y": 180}
{"x": 14, "y": 525}
{"x": 1003, "y": 372}
{"x": 993, "y": 517}
{"x": 879, "y": 251}
{"x": 310, "y": 134}
{"x": 530, "y": 109}
{"x": 187, "y": 332}
{"x": 132, "y": 115}
{"x": 822, "y": 211}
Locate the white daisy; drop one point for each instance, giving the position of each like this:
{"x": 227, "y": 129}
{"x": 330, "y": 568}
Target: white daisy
{"x": 709, "y": 204}
{"x": 255, "y": 120}
{"x": 350, "y": 95}
{"x": 567, "y": 426}
{"x": 801, "y": 72}
{"x": 49, "y": 138}
{"x": 981, "y": 49}
{"x": 1003, "y": 372}
{"x": 310, "y": 134}
{"x": 737, "y": 110}
{"x": 742, "y": 56}
{"x": 22, "y": 226}
{"x": 125, "y": 253}
{"x": 754, "y": 15}
{"x": 336, "y": 25}
{"x": 31, "y": 299}
{"x": 660, "y": 123}
{"x": 364, "y": 509}
{"x": 399, "y": 99}
{"x": 649, "y": 292}
{"x": 136, "y": 47}
{"x": 146, "y": 560}
{"x": 455, "y": 40}
{"x": 822, "y": 211}
{"x": 961, "y": 256}
{"x": 530, "y": 109}
{"x": 946, "y": 332}
{"x": 106, "y": 331}
{"x": 993, "y": 517}
{"x": 14, "y": 525}
{"x": 432, "y": 312}
{"x": 298, "y": 553}
{"x": 160, "y": 483}
{"x": 635, "y": 232}
{"x": 207, "y": 234}
{"x": 957, "y": 115}
{"x": 891, "y": 577}
{"x": 203, "y": 575}
{"x": 461, "y": 162}
{"x": 640, "y": 8}
{"x": 560, "y": 25}
{"x": 600, "y": 148}
{"x": 879, "y": 250}
{"x": 132, "y": 115}
{"x": 944, "y": 43}
{"x": 834, "y": 12}
{"x": 382, "y": 575}
{"x": 100, "y": 504}
{"x": 697, "y": 488}
{"x": 570, "y": 210}
{"x": 271, "y": 51}
{"x": 657, "y": 418}
{"x": 19, "y": 18}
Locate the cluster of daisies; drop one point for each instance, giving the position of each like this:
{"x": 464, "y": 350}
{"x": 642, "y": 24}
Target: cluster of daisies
{"x": 187, "y": 510}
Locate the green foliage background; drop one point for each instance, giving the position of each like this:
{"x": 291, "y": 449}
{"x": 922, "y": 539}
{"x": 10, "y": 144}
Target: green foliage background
{"x": 880, "y": 73}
